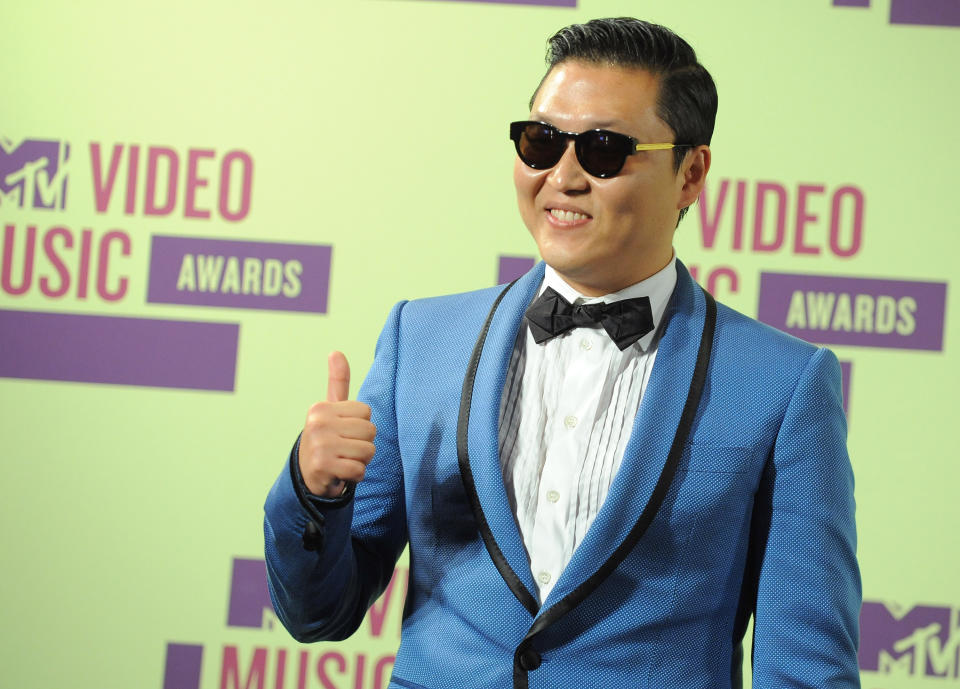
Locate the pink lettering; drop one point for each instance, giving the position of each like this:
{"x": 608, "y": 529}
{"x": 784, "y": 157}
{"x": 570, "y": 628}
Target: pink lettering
{"x": 103, "y": 188}
{"x": 382, "y": 671}
{"x": 230, "y": 670}
{"x": 804, "y": 217}
{"x": 856, "y": 233}
{"x": 83, "y": 273}
{"x": 246, "y": 163}
{"x": 104, "y": 265}
{"x": 55, "y": 281}
{"x": 763, "y": 189}
{"x": 708, "y": 225}
{"x": 741, "y": 206}
{"x": 281, "y": 669}
{"x": 715, "y": 277}
{"x": 154, "y": 154}
{"x": 133, "y": 171}
{"x": 302, "y": 671}
{"x": 27, "y": 277}
{"x": 725, "y": 273}
{"x": 161, "y": 185}
{"x": 322, "y": 668}
{"x": 58, "y": 265}
{"x": 361, "y": 671}
{"x": 194, "y": 182}
{"x": 772, "y": 202}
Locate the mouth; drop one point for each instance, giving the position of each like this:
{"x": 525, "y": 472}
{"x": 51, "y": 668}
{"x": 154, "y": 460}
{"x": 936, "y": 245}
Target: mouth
{"x": 567, "y": 217}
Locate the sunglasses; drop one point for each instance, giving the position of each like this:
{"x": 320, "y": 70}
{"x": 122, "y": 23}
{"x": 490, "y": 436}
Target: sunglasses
{"x": 601, "y": 153}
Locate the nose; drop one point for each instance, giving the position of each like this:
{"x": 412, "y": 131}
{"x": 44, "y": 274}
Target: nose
{"x": 567, "y": 175}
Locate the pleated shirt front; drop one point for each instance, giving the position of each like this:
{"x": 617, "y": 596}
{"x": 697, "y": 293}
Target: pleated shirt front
{"x": 566, "y": 413}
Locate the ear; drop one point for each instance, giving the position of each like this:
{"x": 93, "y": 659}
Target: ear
{"x": 692, "y": 175}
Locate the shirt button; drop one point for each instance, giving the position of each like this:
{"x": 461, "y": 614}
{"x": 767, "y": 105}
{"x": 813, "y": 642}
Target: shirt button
{"x": 544, "y": 577}
{"x": 586, "y": 345}
{"x": 570, "y": 421}
{"x": 553, "y": 496}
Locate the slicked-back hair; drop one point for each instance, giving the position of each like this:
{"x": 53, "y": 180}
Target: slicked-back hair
{"x": 687, "y": 99}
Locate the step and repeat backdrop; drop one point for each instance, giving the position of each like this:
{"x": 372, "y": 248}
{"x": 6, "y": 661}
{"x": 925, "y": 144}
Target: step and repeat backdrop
{"x": 199, "y": 201}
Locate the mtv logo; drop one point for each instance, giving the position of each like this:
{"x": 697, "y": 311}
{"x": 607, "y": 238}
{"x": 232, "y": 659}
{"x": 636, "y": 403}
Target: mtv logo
{"x": 33, "y": 173}
{"x": 923, "y": 641}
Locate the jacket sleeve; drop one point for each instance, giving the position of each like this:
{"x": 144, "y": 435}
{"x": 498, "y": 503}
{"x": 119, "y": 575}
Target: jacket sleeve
{"x": 808, "y": 591}
{"x": 324, "y": 594}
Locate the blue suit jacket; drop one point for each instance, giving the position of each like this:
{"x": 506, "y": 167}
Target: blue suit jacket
{"x": 758, "y": 519}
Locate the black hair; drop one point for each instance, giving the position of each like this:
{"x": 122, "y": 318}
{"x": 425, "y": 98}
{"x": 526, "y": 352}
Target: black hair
{"x": 687, "y": 100}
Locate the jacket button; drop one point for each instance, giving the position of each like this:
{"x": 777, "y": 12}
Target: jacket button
{"x": 530, "y": 659}
{"x": 313, "y": 537}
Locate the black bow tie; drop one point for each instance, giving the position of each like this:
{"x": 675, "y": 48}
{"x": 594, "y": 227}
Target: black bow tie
{"x": 625, "y": 321}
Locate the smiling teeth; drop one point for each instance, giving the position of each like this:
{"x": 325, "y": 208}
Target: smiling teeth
{"x": 567, "y": 216}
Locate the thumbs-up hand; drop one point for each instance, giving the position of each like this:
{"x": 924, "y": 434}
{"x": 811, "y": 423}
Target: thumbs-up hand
{"x": 337, "y": 440}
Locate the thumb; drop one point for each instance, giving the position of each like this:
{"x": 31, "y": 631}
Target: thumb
{"x": 338, "y": 380}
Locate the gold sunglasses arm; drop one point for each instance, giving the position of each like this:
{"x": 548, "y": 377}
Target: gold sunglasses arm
{"x": 654, "y": 147}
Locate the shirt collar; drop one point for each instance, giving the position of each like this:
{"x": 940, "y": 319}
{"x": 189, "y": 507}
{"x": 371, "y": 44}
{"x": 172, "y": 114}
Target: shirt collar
{"x": 658, "y": 287}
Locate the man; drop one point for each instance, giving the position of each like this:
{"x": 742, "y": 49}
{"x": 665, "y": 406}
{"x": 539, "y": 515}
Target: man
{"x": 600, "y": 473}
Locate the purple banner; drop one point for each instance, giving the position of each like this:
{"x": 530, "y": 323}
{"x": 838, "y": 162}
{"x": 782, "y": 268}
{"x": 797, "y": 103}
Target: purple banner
{"x": 512, "y": 267}
{"x": 851, "y": 3}
{"x": 855, "y": 311}
{"x": 183, "y": 666}
{"x": 547, "y": 3}
{"x": 119, "y": 351}
{"x": 235, "y": 274}
{"x": 249, "y": 595}
{"x": 925, "y": 12}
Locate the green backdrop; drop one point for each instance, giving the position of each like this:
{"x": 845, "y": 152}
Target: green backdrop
{"x": 349, "y": 154}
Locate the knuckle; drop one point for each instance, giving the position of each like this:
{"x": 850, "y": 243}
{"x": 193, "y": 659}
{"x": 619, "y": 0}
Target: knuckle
{"x": 317, "y": 408}
{"x": 323, "y": 445}
{"x": 317, "y": 419}
{"x": 308, "y": 440}
{"x": 319, "y": 448}
{"x": 315, "y": 478}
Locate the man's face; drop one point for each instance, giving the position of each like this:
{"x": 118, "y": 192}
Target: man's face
{"x": 602, "y": 235}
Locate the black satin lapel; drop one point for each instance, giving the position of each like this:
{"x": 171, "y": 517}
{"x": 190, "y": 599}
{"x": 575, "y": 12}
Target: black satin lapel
{"x": 477, "y": 437}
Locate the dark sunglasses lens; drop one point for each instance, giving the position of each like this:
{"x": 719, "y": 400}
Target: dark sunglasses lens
{"x": 539, "y": 145}
{"x": 602, "y": 154}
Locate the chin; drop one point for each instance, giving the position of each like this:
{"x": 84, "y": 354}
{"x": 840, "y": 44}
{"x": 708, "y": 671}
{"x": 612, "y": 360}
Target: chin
{"x": 564, "y": 265}
{"x": 571, "y": 271}
{"x": 565, "y": 250}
